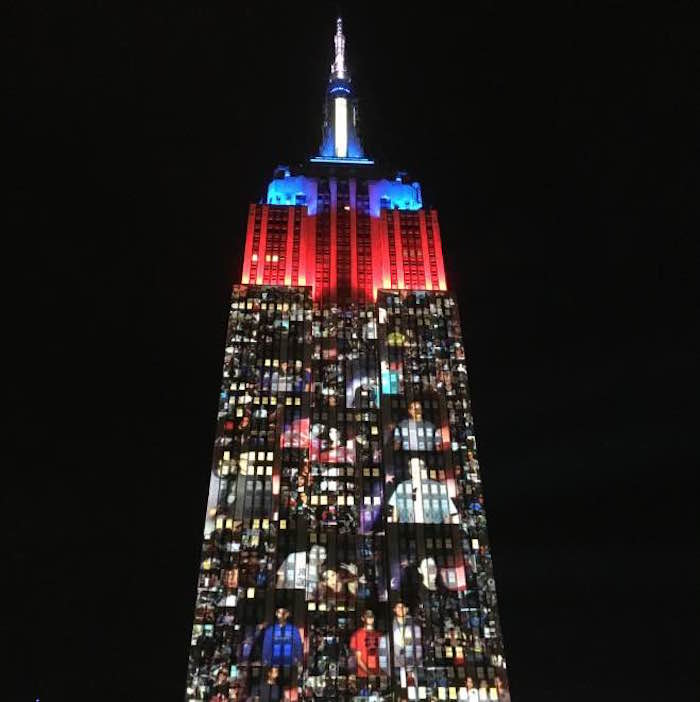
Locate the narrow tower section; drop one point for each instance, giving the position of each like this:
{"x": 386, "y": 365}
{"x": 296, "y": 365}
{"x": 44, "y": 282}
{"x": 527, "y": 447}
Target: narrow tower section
{"x": 340, "y": 125}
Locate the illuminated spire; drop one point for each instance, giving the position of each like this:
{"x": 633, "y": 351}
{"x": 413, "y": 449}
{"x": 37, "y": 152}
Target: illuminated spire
{"x": 340, "y": 133}
{"x": 338, "y": 66}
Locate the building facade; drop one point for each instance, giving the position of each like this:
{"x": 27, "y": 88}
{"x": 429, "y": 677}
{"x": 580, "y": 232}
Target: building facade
{"x": 345, "y": 551}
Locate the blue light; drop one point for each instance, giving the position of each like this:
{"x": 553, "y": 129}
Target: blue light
{"x": 393, "y": 194}
{"x": 363, "y": 161}
{"x": 293, "y": 190}
{"x": 354, "y": 146}
{"x": 391, "y": 382}
{"x": 328, "y": 144}
{"x": 339, "y": 85}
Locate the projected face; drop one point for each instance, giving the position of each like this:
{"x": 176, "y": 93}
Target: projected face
{"x": 401, "y": 611}
{"x": 362, "y": 393}
{"x": 415, "y": 411}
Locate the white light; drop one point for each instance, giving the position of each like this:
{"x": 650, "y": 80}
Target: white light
{"x": 341, "y": 127}
{"x": 338, "y": 66}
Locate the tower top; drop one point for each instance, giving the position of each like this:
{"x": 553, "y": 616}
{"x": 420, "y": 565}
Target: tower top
{"x": 341, "y": 141}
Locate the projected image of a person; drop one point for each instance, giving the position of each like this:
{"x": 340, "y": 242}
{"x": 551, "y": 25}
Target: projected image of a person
{"x": 436, "y": 579}
{"x": 338, "y": 586}
{"x": 369, "y": 647}
{"x": 267, "y": 689}
{"x": 301, "y": 571}
{"x": 420, "y": 500}
{"x": 366, "y": 395}
{"x": 472, "y": 692}
{"x": 406, "y": 637}
{"x": 414, "y": 433}
{"x": 282, "y": 643}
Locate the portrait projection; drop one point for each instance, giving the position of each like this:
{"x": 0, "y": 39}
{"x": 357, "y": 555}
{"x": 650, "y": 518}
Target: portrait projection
{"x": 345, "y": 552}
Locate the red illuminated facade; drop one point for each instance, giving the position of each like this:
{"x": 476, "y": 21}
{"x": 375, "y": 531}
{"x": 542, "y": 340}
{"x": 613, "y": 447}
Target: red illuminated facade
{"x": 343, "y": 251}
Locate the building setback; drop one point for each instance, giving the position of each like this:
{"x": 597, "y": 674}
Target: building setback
{"x": 345, "y": 551}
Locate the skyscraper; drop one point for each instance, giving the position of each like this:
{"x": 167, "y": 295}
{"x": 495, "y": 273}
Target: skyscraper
{"x": 345, "y": 550}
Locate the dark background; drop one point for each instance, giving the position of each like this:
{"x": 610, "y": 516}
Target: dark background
{"x": 561, "y": 150}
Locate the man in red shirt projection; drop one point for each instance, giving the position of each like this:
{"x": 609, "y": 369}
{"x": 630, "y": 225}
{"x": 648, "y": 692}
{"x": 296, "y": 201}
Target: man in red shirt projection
{"x": 369, "y": 647}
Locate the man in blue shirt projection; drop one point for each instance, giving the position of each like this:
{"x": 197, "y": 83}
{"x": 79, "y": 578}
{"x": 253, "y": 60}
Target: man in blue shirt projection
{"x": 282, "y": 642}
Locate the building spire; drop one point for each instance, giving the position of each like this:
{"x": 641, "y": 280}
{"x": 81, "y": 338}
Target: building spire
{"x": 341, "y": 141}
{"x": 338, "y": 66}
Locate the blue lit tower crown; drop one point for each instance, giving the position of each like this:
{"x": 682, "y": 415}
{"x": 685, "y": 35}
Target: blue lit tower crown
{"x": 340, "y": 138}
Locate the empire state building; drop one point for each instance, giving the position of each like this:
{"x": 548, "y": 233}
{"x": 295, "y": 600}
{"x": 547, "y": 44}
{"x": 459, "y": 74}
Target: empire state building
{"x": 345, "y": 552}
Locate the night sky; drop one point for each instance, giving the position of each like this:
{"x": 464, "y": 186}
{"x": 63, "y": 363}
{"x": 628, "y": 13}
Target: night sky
{"x": 561, "y": 151}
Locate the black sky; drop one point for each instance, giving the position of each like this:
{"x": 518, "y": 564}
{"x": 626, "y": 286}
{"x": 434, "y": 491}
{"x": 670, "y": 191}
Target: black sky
{"x": 561, "y": 151}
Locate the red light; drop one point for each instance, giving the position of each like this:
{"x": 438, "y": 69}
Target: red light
{"x": 411, "y": 267}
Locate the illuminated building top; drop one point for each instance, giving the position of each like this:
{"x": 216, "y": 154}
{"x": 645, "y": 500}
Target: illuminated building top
{"x": 344, "y": 235}
{"x": 338, "y": 225}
